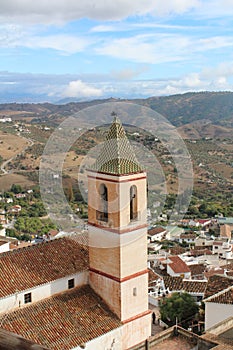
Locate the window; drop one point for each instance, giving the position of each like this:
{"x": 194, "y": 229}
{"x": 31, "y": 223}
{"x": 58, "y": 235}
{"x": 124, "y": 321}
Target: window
{"x": 133, "y": 203}
{"x": 27, "y": 298}
{"x": 102, "y": 214}
{"x": 71, "y": 283}
{"x": 134, "y": 291}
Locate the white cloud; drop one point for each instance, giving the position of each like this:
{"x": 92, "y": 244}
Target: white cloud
{"x": 41, "y": 87}
{"x": 215, "y": 9}
{"x": 80, "y": 89}
{"x": 224, "y": 69}
{"x": 55, "y": 11}
{"x": 17, "y": 36}
{"x": 65, "y": 43}
{"x": 160, "y": 47}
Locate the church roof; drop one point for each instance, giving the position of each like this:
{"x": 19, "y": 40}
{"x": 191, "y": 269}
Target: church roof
{"x": 117, "y": 156}
{"x": 26, "y": 268}
{"x": 64, "y": 320}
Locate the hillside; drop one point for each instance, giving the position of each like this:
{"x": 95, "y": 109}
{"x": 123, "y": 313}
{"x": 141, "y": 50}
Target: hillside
{"x": 215, "y": 107}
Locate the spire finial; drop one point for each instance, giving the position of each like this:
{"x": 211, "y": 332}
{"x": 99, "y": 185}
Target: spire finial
{"x": 115, "y": 118}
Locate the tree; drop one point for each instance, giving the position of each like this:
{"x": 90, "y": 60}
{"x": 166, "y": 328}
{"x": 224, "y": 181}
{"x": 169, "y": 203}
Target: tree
{"x": 180, "y": 307}
{"x": 16, "y": 189}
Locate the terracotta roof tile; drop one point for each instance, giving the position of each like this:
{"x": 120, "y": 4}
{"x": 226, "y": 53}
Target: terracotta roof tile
{"x": 63, "y": 321}
{"x": 173, "y": 283}
{"x": 197, "y": 269}
{"x": 178, "y": 265}
{"x": 25, "y": 268}
{"x": 223, "y": 297}
{"x": 198, "y": 252}
{"x": 152, "y": 276}
{"x": 194, "y": 286}
{"x": 155, "y": 230}
{"x": 12, "y": 341}
{"x": 177, "y": 250}
{"x": 216, "y": 284}
{"x": 188, "y": 236}
{"x": 177, "y": 284}
{"x": 214, "y": 271}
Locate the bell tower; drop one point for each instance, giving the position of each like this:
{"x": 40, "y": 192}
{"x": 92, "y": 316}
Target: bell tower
{"x": 117, "y": 222}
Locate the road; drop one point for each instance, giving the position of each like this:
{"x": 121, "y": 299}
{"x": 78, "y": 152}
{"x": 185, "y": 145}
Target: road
{"x": 6, "y": 162}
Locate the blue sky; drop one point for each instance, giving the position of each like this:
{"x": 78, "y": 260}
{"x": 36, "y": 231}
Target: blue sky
{"x": 61, "y": 49}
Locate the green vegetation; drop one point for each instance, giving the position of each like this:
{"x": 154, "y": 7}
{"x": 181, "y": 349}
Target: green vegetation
{"x": 180, "y": 308}
{"x": 33, "y": 225}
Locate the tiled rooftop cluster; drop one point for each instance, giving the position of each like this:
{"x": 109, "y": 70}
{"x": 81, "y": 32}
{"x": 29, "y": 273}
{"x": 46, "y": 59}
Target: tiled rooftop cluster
{"x": 177, "y": 284}
{"x": 217, "y": 283}
{"x": 155, "y": 230}
{"x": 41, "y": 263}
{"x": 197, "y": 269}
{"x": 64, "y": 320}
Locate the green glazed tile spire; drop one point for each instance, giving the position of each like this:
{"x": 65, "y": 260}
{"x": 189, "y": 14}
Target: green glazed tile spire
{"x": 117, "y": 156}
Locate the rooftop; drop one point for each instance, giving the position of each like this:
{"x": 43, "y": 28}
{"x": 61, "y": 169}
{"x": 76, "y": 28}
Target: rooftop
{"x": 216, "y": 284}
{"x": 117, "y": 156}
{"x": 223, "y": 297}
{"x": 12, "y": 341}
{"x": 155, "y": 230}
{"x": 25, "y": 268}
{"x": 189, "y": 286}
{"x": 63, "y": 321}
{"x": 178, "y": 265}
{"x": 188, "y": 235}
{"x": 197, "y": 269}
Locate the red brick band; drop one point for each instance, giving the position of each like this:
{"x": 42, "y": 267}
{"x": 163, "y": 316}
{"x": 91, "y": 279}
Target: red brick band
{"x": 117, "y": 230}
{"x": 112, "y": 180}
{"x": 145, "y": 313}
{"x": 117, "y": 279}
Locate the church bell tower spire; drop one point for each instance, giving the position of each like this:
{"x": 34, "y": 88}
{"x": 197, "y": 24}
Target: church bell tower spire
{"x": 117, "y": 207}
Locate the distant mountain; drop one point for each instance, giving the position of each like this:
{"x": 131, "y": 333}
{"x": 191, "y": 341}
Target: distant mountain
{"x": 181, "y": 109}
{"x": 215, "y": 107}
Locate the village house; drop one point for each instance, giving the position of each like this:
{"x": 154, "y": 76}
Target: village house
{"x": 15, "y": 209}
{"x": 223, "y": 249}
{"x": 188, "y": 238}
{"x": 177, "y": 267}
{"x": 156, "y": 233}
{"x": 20, "y": 195}
{"x": 218, "y": 307}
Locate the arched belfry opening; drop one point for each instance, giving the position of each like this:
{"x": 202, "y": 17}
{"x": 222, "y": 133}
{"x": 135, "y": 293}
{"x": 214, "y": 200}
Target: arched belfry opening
{"x": 102, "y": 214}
{"x": 133, "y": 203}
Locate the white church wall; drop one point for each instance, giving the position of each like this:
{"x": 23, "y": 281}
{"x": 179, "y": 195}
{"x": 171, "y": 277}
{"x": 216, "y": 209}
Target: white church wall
{"x": 4, "y": 247}
{"x": 111, "y": 340}
{"x": 215, "y": 313}
{"x": 41, "y": 292}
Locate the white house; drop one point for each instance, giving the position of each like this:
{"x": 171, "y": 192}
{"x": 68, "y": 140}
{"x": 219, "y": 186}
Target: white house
{"x": 187, "y": 238}
{"x": 218, "y": 307}
{"x": 222, "y": 249}
{"x": 177, "y": 267}
{"x": 156, "y": 233}
{"x": 4, "y": 246}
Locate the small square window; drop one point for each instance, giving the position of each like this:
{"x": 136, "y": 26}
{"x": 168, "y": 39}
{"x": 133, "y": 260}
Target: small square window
{"x": 71, "y": 283}
{"x": 27, "y": 298}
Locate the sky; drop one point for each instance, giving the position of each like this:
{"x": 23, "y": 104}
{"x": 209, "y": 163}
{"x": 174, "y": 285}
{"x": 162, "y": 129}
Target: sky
{"x": 71, "y": 49}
